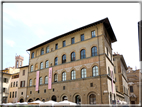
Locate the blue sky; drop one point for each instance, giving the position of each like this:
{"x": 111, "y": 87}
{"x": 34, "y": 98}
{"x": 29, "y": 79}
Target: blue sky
{"x": 28, "y": 24}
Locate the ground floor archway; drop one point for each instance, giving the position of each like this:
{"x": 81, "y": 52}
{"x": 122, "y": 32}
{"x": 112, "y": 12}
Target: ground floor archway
{"x": 37, "y": 99}
{"x": 21, "y": 100}
{"x": 77, "y": 99}
{"x": 30, "y": 100}
{"x": 92, "y": 99}
{"x": 53, "y": 98}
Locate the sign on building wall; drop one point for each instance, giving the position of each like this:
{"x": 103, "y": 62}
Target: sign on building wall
{"x": 50, "y": 78}
{"x": 37, "y": 80}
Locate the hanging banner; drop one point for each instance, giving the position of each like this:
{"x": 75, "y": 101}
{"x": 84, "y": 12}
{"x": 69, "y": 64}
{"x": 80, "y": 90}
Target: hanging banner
{"x": 37, "y": 80}
{"x": 50, "y": 78}
{"x": 112, "y": 80}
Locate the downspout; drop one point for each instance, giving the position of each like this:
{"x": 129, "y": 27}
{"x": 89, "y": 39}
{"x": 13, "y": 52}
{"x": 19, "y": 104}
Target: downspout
{"x": 99, "y": 65}
{"x": 27, "y": 76}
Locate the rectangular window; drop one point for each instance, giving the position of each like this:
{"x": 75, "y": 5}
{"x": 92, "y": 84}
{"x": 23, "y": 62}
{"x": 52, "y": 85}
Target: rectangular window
{"x": 56, "y": 46}
{"x": 10, "y": 95}
{"x": 22, "y": 84}
{"x": 23, "y": 72}
{"x": 115, "y": 80}
{"x": 93, "y": 34}
{"x": 47, "y": 49}
{"x": 4, "y": 89}
{"x": 16, "y": 83}
{"x": 63, "y": 87}
{"x": 44, "y": 90}
{"x": 11, "y": 84}
{"x": 91, "y": 84}
{"x": 131, "y": 88}
{"x": 30, "y": 82}
{"x": 64, "y": 43}
{"x": 115, "y": 69}
{"x": 82, "y": 37}
{"x": 38, "y": 91}
{"x": 21, "y": 93}
{"x": 15, "y": 94}
{"x": 5, "y": 80}
{"x": 72, "y": 40}
{"x": 30, "y": 92}
{"x": 47, "y": 64}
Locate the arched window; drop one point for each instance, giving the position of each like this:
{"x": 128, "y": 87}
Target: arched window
{"x": 82, "y": 54}
{"x": 92, "y": 99}
{"x": 46, "y": 79}
{"x": 73, "y": 75}
{"x": 30, "y": 82}
{"x": 55, "y": 77}
{"x": 42, "y": 51}
{"x": 64, "y": 59}
{"x": 40, "y": 80}
{"x": 95, "y": 71}
{"x": 73, "y": 56}
{"x": 31, "y": 68}
{"x": 94, "y": 51}
{"x": 47, "y": 64}
{"x": 41, "y": 65}
{"x": 33, "y": 55}
{"x": 13, "y": 95}
{"x": 64, "y": 76}
{"x": 47, "y": 49}
{"x": 108, "y": 71}
{"x": 83, "y": 73}
{"x": 56, "y": 61}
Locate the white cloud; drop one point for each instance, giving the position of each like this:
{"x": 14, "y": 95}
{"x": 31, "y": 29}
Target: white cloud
{"x": 10, "y": 43}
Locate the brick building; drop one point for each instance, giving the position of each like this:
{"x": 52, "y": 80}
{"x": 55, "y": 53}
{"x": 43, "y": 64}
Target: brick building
{"x": 75, "y": 66}
{"x": 134, "y": 77}
{"x": 120, "y": 69}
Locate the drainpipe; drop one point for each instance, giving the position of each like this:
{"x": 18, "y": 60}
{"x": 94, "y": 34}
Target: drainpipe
{"x": 99, "y": 65}
{"x": 27, "y": 76}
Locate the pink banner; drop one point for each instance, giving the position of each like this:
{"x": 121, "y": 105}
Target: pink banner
{"x": 112, "y": 79}
{"x": 37, "y": 80}
{"x": 50, "y": 78}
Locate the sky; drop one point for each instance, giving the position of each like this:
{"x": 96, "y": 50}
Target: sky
{"x": 28, "y": 24}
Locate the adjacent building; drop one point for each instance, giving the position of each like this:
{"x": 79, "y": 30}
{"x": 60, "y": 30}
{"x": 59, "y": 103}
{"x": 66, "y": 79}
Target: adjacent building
{"x": 22, "y": 84}
{"x": 75, "y": 66}
{"x": 134, "y": 78}
{"x": 120, "y": 69}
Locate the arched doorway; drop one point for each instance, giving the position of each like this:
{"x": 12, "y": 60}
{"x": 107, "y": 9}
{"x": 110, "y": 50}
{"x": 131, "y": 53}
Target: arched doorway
{"x": 21, "y": 100}
{"x": 92, "y": 99}
{"x": 30, "y": 100}
{"x": 53, "y": 98}
{"x": 37, "y": 99}
{"x": 77, "y": 99}
{"x": 64, "y": 98}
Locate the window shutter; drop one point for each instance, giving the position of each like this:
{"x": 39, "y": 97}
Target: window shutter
{"x": 21, "y": 84}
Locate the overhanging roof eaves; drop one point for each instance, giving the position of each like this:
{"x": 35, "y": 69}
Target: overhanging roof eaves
{"x": 106, "y": 24}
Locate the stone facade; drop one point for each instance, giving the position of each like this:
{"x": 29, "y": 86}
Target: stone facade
{"x": 22, "y": 84}
{"x": 134, "y": 77}
{"x": 96, "y": 87}
{"x": 122, "y": 88}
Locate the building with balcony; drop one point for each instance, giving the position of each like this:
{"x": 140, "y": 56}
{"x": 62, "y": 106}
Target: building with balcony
{"x": 75, "y": 66}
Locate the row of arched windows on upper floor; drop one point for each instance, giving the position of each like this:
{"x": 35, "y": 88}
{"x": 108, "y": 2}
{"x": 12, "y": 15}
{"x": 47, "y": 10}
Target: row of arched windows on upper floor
{"x": 64, "y": 43}
{"x": 73, "y": 75}
{"x": 73, "y": 58}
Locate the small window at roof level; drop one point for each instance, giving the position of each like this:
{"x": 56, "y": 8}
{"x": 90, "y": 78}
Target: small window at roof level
{"x": 33, "y": 55}
{"x": 64, "y": 43}
{"x": 93, "y": 34}
{"x": 47, "y": 49}
{"x": 72, "y": 40}
{"x": 56, "y": 46}
{"x": 82, "y": 37}
{"x": 42, "y": 51}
